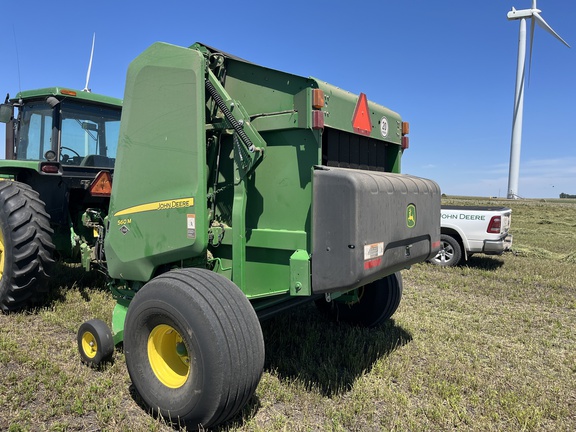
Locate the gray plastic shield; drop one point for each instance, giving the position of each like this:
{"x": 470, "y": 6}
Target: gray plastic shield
{"x": 367, "y": 225}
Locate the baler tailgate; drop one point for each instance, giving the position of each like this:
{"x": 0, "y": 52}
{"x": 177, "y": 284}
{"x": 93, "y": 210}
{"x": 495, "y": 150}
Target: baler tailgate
{"x": 367, "y": 225}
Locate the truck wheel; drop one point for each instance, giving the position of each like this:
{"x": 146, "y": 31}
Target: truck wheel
{"x": 95, "y": 342}
{"x": 450, "y": 253}
{"x": 376, "y": 303}
{"x": 25, "y": 246}
{"x": 194, "y": 347}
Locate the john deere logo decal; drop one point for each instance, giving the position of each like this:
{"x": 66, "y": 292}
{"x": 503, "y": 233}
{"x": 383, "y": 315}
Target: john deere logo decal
{"x": 411, "y": 216}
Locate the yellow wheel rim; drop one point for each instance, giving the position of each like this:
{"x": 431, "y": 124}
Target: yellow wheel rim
{"x": 1, "y": 254}
{"x": 168, "y": 356}
{"x": 89, "y": 345}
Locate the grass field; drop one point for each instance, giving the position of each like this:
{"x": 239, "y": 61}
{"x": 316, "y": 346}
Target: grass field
{"x": 489, "y": 346}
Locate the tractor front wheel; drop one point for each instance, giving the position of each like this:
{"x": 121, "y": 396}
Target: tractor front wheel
{"x": 194, "y": 347}
{"x": 375, "y": 304}
{"x": 26, "y": 246}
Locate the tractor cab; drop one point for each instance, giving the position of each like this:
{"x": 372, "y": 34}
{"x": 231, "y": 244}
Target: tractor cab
{"x": 66, "y": 127}
{"x": 59, "y": 142}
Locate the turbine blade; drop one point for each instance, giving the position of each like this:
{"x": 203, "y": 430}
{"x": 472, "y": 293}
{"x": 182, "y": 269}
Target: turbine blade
{"x": 86, "y": 89}
{"x": 531, "y": 45}
{"x": 546, "y": 27}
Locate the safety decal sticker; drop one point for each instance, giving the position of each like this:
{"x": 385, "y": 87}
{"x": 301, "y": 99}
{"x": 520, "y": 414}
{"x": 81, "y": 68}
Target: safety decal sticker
{"x": 191, "y": 226}
{"x": 373, "y": 250}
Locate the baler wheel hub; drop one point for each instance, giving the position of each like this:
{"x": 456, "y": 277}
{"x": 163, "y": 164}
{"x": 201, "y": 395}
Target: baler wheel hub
{"x": 168, "y": 356}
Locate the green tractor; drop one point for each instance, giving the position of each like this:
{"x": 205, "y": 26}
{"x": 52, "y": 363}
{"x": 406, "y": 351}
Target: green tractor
{"x": 54, "y": 186}
{"x": 239, "y": 192}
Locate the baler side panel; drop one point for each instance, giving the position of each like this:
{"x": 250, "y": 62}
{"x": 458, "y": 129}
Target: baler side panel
{"x": 158, "y": 209}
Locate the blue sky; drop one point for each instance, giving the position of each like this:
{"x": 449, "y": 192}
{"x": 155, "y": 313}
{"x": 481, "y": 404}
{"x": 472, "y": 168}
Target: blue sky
{"x": 447, "y": 66}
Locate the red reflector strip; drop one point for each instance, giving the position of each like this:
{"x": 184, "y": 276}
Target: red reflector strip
{"x": 50, "y": 168}
{"x": 361, "y": 120}
{"x": 436, "y": 245}
{"x": 372, "y": 263}
{"x": 405, "y": 142}
{"x": 317, "y": 119}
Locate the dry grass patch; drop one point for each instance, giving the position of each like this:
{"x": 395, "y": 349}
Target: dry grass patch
{"x": 488, "y": 346}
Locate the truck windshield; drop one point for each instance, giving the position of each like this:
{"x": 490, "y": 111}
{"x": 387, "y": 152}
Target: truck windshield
{"x": 88, "y": 133}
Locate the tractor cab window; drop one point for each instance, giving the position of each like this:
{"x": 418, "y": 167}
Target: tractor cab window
{"x": 89, "y": 134}
{"x": 35, "y": 131}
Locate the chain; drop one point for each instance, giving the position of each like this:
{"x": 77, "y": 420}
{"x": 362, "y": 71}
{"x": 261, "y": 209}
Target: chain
{"x": 217, "y": 191}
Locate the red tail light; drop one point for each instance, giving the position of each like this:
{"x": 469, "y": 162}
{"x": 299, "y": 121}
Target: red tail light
{"x": 495, "y": 225}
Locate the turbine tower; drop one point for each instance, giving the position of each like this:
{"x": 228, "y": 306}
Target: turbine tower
{"x": 534, "y": 15}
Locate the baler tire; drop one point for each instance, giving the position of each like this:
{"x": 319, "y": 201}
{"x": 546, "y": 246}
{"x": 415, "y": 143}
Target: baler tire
{"x": 376, "y": 304}
{"x": 194, "y": 347}
{"x": 450, "y": 253}
{"x": 26, "y": 247}
{"x": 95, "y": 342}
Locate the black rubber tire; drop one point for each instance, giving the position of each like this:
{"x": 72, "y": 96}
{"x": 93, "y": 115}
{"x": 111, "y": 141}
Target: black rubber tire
{"x": 450, "y": 253}
{"x": 26, "y": 248}
{"x": 223, "y": 345}
{"x": 95, "y": 342}
{"x": 377, "y": 303}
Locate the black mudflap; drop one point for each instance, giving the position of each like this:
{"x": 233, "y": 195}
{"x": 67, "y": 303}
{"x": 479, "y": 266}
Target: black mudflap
{"x": 367, "y": 225}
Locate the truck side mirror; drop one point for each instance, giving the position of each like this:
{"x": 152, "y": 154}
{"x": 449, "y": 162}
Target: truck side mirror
{"x": 5, "y": 113}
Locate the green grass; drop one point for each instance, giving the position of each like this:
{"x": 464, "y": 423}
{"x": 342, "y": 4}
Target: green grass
{"x": 488, "y": 346}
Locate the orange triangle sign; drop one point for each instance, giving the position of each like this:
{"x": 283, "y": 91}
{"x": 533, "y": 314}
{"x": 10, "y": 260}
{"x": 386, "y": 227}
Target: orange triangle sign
{"x": 361, "y": 120}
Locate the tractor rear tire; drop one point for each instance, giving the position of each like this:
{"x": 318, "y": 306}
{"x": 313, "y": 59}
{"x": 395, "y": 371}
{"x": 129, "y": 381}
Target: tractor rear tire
{"x": 376, "y": 303}
{"x": 194, "y": 347}
{"x": 26, "y": 247}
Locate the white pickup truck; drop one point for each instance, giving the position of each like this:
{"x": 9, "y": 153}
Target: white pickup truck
{"x": 466, "y": 230}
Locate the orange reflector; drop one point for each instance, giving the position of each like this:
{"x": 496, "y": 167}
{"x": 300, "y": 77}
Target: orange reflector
{"x": 405, "y": 128}
{"x": 361, "y": 119}
{"x": 102, "y": 185}
{"x": 317, "y": 98}
{"x": 68, "y": 92}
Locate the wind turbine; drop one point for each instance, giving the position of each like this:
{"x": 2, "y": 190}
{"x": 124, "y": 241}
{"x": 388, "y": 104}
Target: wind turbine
{"x": 534, "y": 15}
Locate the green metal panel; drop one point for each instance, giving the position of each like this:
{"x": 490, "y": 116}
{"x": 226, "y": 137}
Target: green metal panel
{"x": 118, "y": 319}
{"x": 158, "y": 209}
{"x": 300, "y": 274}
{"x": 339, "y": 112}
{"x": 16, "y": 166}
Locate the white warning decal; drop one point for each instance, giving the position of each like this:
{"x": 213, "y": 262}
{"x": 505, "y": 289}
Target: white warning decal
{"x": 384, "y": 127}
{"x": 373, "y": 250}
{"x": 191, "y": 226}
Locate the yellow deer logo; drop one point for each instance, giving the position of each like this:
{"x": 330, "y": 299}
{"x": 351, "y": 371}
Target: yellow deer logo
{"x": 411, "y": 216}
